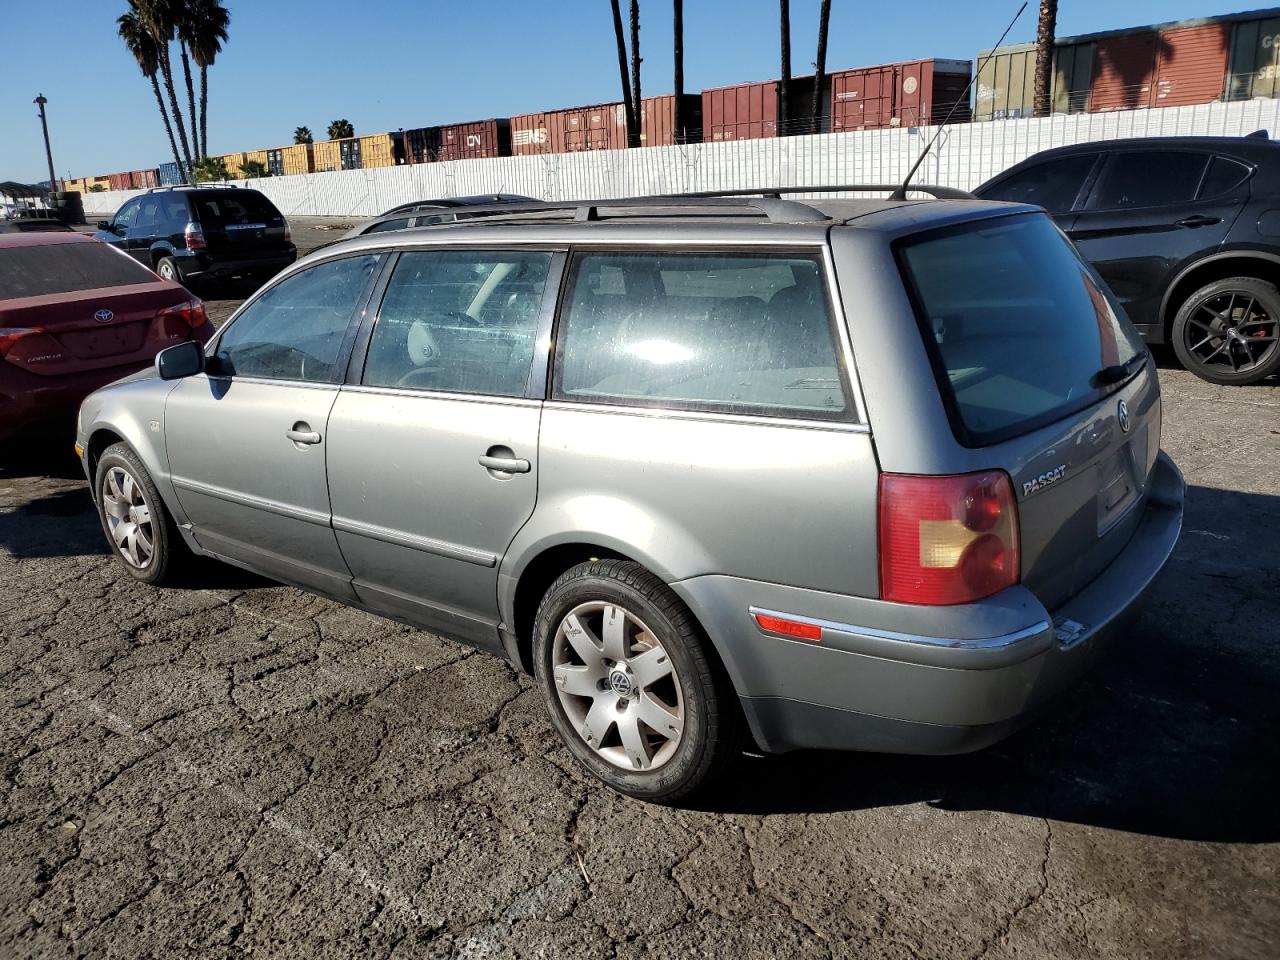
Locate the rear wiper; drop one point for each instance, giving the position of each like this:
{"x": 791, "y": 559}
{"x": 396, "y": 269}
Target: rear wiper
{"x": 1117, "y": 371}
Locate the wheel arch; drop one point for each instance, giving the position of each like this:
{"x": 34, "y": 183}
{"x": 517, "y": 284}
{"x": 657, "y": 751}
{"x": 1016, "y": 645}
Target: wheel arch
{"x": 1219, "y": 266}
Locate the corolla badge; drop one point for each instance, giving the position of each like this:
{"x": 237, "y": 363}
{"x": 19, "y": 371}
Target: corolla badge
{"x": 104, "y": 316}
{"x": 1122, "y": 415}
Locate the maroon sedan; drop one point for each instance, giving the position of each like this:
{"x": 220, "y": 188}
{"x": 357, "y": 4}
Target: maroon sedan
{"x": 76, "y": 314}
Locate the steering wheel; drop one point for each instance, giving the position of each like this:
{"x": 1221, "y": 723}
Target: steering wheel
{"x": 408, "y": 379}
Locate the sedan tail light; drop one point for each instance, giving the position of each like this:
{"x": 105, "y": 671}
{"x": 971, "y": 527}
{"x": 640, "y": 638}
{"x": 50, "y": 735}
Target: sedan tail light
{"x": 180, "y": 320}
{"x": 948, "y": 539}
{"x": 9, "y": 337}
{"x": 194, "y": 236}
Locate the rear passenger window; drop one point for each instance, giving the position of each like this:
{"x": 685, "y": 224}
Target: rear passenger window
{"x": 1148, "y": 178}
{"x": 1224, "y": 176}
{"x": 736, "y": 334}
{"x": 459, "y": 322}
{"x": 1052, "y": 185}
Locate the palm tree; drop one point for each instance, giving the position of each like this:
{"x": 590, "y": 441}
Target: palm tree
{"x": 1045, "y": 30}
{"x": 677, "y": 17}
{"x": 205, "y": 27}
{"x": 637, "y": 109}
{"x": 784, "y": 85}
{"x": 160, "y": 18}
{"x": 137, "y": 38}
{"x": 302, "y": 135}
{"x": 820, "y": 65}
{"x": 340, "y": 129}
{"x": 633, "y": 125}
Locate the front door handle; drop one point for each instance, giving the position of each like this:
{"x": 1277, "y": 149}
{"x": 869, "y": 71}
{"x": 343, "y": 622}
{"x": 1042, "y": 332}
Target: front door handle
{"x": 1199, "y": 220}
{"x": 302, "y": 433}
{"x": 505, "y": 464}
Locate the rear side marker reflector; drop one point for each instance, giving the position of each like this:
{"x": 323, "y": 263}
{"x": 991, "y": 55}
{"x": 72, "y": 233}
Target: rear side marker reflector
{"x": 789, "y": 628}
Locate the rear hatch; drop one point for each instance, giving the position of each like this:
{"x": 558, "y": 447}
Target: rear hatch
{"x": 239, "y": 223}
{"x": 81, "y": 306}
{"x": 1044, "y": 376}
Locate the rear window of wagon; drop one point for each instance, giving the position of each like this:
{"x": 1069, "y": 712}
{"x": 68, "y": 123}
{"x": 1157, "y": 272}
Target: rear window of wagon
{"x": 42, "y": 269}
{"x": 1017, "y": 324}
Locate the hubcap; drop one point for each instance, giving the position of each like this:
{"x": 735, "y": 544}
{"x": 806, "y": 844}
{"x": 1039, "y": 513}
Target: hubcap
{"x": 617, "y": 686}
{"x": 128, "y": 517}
{"x": 1231, "y": 330}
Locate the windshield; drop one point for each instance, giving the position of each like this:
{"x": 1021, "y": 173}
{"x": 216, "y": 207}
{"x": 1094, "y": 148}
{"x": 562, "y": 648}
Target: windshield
{"x": 1019, "y": 326}
{"x": 34, "y": 271}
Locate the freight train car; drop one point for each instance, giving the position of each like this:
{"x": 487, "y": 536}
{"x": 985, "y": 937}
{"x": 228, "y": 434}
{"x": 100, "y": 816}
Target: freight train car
{"x": 1230, "y": 57}
{"x": 286, "y": 161}
{"x": 171, "y": 175}
{"x": 910, "y": 93}
{"x": 476, "y": 140}
{"x": 360, "y": 153}
{"x": 749, "y": 111}
{"x": 603, "y": 126}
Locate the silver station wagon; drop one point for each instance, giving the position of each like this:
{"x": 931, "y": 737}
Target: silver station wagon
{"x": 856, "y": 474}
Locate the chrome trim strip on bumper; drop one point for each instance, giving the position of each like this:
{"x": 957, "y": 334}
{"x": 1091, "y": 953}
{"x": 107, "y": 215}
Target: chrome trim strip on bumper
{"x": 850, "y": 630}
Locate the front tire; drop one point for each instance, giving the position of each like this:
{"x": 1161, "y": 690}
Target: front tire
{"x": 139, "y": 528}
{"x": 1228, "y": 332}
{"x": 630, "y": 684}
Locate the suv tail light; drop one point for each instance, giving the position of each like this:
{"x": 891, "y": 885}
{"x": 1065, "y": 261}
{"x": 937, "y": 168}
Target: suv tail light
{"x": 946, "y": 540}
{"x": 194, "y": 236}
{"x": 180, "y": 320}
{"x": 9, "y": 337}
{"x": 288, "y": 234}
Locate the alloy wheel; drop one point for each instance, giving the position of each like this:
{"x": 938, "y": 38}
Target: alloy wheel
{"x": 617, "y": 686}
{"x": 1231, "y": 329}
{"x": 128, "y": 517}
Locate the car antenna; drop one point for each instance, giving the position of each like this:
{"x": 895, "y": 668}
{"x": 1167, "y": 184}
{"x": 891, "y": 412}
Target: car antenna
{"x": 901, "y": 192}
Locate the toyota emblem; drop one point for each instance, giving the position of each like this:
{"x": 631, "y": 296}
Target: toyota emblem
{"x": 104, "y": 316}
{"x": 1122, "y": 414}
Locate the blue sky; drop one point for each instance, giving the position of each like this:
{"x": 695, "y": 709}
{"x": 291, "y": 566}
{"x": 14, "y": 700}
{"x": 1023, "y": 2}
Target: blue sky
{"x": 387, "y": 64}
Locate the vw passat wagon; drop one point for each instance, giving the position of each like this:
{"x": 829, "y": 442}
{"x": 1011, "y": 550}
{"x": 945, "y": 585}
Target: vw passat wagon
{"x": 871, "y": 475}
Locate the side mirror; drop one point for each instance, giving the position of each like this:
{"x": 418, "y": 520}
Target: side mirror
{"x": 105, "y": 225}
{"x": 181, "y": 360}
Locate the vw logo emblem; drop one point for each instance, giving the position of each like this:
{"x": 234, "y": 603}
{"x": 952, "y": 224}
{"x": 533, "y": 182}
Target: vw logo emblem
{"x": 104, "y": 316}
{"x": 1122, "y": 414}
{"x": 620, "y": 683}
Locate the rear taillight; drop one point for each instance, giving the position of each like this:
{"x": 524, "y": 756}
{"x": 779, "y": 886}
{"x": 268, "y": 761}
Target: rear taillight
{"x": 946, "y": 540}
{"x": 10, "y": 336}
{"x": 288, "y": 234}
{"x": 180, "y": 320}
{"x": 194, "y": 236}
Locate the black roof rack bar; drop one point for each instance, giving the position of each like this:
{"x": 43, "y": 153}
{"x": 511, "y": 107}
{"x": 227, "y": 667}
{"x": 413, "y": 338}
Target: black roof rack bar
{"x": 212, "y": 184}
{"x": 939, "y": 193}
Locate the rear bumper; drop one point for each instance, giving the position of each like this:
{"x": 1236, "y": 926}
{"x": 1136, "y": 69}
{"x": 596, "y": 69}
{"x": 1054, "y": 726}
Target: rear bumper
{"x": 977, "y": 673}
{"x": 202, "y": 266}
{"x": 29, "y": 402}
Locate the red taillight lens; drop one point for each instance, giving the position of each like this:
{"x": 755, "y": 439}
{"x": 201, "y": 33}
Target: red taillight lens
{"x": 194, "y": 236}
{"x": 10, "y": 336}
{"x": 180, "y": 320}
{"x": 946, "y": 540}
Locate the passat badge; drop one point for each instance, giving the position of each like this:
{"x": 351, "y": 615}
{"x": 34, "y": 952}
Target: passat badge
{"x": 104, "y": 316}
{"x": 1122, "y": 414}
{"x": 1045, "y": 479}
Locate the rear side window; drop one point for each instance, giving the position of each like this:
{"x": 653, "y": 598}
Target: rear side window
{"x": 1224, "y": 176}
{"x": 1017, "y": 324}
{"x": 66, "y": 267}
{"x": 216, "y": 209}
{"x": 1148, "y": 178}
{"x": 736, "y": 333}
{"x": 1053, "y": 185}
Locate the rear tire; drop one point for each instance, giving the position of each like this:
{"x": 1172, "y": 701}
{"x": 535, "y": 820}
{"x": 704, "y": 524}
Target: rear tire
{"x": 631, "y": 684}
{"x": 167, "y": 267}
{"x": 1227, "y": 332}
{"x": 139, "y": 528}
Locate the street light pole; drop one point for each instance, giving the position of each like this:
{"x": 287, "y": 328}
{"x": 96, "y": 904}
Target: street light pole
{"x": 40, "y": 101}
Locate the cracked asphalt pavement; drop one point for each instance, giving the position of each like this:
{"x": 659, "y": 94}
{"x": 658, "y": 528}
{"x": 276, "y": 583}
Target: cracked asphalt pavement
{"x": 240, "y": 769}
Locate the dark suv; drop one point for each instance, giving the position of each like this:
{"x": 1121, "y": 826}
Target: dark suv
{"x": 1185, "y": 230}
{"x": 190, "y": 234}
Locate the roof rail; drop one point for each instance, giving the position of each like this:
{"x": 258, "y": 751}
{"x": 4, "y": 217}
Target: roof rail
{"x": 775, "y": 210}
{"x": 937, "y": 192}
{"x": 211, "y": 185}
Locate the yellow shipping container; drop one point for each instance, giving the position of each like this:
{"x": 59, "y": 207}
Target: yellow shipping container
{"x": 232, "y": 161}
{"x": 355, "y": 153}
{"x": 293, "y": 159}
{"x": 255, "y": 156}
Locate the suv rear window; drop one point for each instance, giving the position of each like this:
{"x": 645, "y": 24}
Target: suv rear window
{"x": 214, "y": 209}
{"x": 36, "y": 271}
{"x": 1018, "y": 325}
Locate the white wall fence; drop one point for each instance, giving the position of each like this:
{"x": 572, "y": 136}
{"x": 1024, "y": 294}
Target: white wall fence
{"x": 965, "y": 156}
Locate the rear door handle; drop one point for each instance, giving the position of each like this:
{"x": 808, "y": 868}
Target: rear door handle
{"x": 505, "y": 464}
{"x": 302, "y": 433}
{"x": 1199, "y": 220}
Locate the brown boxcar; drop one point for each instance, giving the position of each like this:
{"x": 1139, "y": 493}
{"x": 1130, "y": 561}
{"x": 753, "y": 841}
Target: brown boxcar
{"x": 745, "y": 111}
{"x": 120, "y": 181}
{"x": 477, "y": 140}
{"x": 658, "y": 120}
{"x": 910, "y": 94}
{"x": 1160, "y": 68}
{"x": 601, "y": 126}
